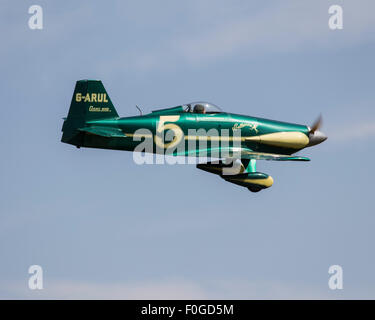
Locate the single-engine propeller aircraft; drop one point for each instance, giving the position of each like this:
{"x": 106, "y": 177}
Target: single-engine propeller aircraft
{"x": 236, "y": 141}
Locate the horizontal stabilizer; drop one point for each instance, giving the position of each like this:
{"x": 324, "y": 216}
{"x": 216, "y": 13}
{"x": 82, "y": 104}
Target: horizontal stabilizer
{"x": 104, "y": 132}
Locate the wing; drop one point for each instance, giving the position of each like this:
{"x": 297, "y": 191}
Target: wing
{"x": 245, "y": 154}
{"x": 239, "y": 153}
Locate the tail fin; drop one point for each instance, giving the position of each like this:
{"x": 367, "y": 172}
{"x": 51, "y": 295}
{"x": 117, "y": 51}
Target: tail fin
{"x": 90, "y": 102}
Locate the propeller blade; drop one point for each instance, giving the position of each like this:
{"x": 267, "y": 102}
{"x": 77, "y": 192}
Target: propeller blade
{"x": 317, "y": 124}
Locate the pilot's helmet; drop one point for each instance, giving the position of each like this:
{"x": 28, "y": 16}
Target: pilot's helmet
{"x": 199, "y": 108}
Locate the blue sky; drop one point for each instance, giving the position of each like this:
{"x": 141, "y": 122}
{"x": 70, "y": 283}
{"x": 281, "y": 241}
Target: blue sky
{"x": 103, "y": 227}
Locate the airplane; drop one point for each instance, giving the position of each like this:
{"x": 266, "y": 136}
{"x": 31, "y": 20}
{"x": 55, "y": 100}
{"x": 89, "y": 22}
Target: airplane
{"x": 93, "y": 122}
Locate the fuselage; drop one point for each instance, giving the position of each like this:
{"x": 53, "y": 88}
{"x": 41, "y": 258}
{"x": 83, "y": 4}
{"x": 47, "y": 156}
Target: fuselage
{"x": 176, "y": 128}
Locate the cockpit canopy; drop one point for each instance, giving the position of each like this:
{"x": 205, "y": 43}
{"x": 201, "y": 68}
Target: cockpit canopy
{"x": 201, "y": 107}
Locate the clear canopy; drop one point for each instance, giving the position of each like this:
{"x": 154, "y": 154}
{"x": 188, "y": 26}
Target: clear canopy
{"x": 201, "y": 107}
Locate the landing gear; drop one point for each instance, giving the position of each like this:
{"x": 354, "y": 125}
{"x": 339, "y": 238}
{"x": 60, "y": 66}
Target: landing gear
{"x": 251, "y": 167}
{"x": 260, "y": 180}
{"x": 241, "y": 173}
{"x": 254, "y": 189}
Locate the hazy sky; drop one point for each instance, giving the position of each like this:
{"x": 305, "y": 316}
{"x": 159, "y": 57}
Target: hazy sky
{"x": 103, "y": 227}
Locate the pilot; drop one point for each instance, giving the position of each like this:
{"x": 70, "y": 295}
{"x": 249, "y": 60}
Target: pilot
{"x": 199, "y": 108}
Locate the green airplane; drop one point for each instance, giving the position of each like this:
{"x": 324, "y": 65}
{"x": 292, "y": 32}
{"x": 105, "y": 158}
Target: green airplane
{"x": 200, "y": 130}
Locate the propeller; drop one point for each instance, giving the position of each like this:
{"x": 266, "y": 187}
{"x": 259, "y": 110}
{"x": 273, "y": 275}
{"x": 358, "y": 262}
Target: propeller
{"x": 316, "y": 136}
{"x": 316, "y": 125}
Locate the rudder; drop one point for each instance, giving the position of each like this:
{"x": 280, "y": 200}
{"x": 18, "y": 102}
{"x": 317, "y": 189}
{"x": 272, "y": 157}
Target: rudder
{"x": 90, "y": 102}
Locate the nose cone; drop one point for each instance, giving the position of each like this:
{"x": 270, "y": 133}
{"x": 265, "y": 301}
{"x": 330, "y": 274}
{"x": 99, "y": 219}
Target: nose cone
{"x": 316, "y": 138}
